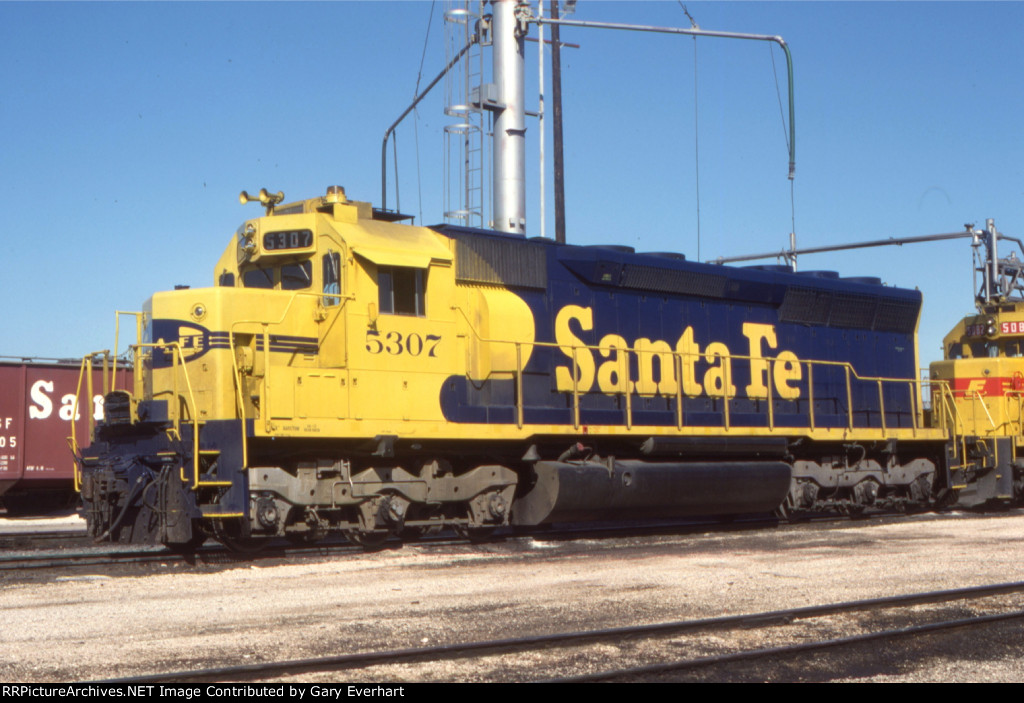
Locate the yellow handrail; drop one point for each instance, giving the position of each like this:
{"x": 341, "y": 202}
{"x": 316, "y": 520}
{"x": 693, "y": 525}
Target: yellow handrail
{"x": 677, "y": 363}
{"x": 519, "y": 386}
{"x": 810, "y": 394}
{"x": 137, "y": 375}
{"x": 84, "y": 368}
{"x": 978, "y": 398}
{"x": 264, "y": 327}
{"x": 178, "y": 358}
{"x": 575, "y": 391}
{"x": 850, "y": 373}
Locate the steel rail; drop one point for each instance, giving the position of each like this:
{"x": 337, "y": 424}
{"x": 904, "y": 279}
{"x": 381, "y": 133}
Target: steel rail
{"x": 28, "y": 541}
{"x": 789, "y": 650}
{"x": 47, "y": 560}
{"x": 215, "y": 554}
{"x": 249, "y": 672}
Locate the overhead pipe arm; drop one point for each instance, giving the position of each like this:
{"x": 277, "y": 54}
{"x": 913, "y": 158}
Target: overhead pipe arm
{"x": 1001, "y": 278}
{"x": 526, "y": 16}
{"x": 415, "y": 102}
{"x": 791, "y": 253}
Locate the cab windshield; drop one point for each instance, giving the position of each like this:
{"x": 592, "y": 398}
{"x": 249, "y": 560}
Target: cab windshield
{"x": 295, "y": 276}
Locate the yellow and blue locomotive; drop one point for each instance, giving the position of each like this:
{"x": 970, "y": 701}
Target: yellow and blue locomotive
{"x": 978, "y": 387}
{"x": 350, "y": 371}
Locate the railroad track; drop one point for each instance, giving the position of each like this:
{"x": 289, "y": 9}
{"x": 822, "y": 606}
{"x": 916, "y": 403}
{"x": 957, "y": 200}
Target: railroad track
{"x": 213, "y": 554}
{"x": 769, "y": 660}
{"x": 56, "y": 550}
{"x": 921, "y": 614}
{"x": 89, "y": 554}
{"x": 66, "y": 550}
{"x": 46, "y": 539}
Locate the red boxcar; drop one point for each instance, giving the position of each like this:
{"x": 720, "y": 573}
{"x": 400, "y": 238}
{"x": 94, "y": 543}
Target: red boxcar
{"x": 37, "y": 399}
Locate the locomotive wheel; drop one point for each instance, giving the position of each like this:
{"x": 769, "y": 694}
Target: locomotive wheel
{"x": 230, "y": 534}
{"x": 415, "y": 533}
{"x": 316, "y": 533}
{"x": 474, "y": 534}
{"x": 369, "y": 540}
{"x": 197, "y": 541}
{"x": 421, "y": 512}
{"x": 304, "y": 538}
{"x": 854, "y": 512}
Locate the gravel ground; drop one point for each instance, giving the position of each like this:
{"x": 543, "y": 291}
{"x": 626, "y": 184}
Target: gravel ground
{"x": 84, "y": 626}
{"x": 45, "y": 523}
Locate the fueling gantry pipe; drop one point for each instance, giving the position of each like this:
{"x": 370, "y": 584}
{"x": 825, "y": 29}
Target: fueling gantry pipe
{"x": 415, "y": 102}
{"x": 791, "y": 253}
{"x": 697, "y": 32}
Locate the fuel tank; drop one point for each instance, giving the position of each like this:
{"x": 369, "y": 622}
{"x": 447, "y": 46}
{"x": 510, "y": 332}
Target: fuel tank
{"x": 616, "y": 490}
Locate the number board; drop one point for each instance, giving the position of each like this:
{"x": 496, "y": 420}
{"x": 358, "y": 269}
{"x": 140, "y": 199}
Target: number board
{"x": 287, "y": 240}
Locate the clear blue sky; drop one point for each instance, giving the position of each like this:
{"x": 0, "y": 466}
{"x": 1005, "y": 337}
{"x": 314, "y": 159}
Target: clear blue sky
{"x": 129, "y": 129}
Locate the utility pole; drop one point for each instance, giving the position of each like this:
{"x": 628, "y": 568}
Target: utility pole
{"x": 556, "y": 101}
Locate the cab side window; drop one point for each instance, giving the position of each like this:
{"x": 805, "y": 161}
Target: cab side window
{"x": 401, "y": 290}
{"x": 332, "y": 278}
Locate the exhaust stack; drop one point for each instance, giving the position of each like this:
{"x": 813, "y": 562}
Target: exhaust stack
{"x": 510, "y": 120}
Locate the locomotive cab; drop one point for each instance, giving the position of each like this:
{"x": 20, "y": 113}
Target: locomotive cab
{"x": 982, "y": 373}
{"x": 328, "y": 335}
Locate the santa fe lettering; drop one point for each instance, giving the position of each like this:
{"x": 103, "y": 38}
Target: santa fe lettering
{"x": 666, "y": 369}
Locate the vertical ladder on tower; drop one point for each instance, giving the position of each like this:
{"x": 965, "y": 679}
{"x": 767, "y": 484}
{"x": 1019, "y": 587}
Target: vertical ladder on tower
{"x": 464, "y": 137}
